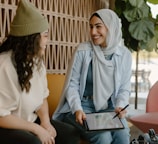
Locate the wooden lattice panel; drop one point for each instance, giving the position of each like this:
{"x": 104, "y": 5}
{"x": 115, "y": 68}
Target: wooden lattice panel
{"x": 69, "y": 26}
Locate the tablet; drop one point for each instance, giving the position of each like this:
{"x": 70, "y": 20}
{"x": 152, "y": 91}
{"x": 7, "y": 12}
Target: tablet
{"x": 102, "y": 121}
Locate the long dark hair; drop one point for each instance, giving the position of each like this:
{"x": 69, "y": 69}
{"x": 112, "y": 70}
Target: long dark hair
{"x": 25, "y": 50}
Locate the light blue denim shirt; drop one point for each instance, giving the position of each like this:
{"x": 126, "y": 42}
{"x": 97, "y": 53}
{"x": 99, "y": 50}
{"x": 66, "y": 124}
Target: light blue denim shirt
{"x": 76, "y": 79}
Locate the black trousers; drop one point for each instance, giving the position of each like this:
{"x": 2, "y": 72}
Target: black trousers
{"x": 66, "y": 134}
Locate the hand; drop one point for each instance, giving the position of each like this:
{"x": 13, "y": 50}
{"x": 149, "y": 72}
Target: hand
{"x": 80, "y": 116}
{"x": 48, "y": 126}
{"x": 44, "y": 135}
{"x": 122, "y": 114}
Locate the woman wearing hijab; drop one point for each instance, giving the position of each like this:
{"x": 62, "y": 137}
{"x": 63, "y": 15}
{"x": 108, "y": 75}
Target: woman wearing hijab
{"x": 98, "y": 79}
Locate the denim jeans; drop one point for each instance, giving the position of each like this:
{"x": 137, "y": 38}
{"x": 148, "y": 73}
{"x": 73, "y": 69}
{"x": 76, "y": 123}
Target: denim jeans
{"x": 121, "y": 136}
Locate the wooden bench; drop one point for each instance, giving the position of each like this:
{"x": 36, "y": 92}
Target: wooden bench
{"x": 55, "y": 85}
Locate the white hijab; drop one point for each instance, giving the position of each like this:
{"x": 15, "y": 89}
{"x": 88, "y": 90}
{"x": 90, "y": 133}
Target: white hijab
{"x": 103, "y": 70}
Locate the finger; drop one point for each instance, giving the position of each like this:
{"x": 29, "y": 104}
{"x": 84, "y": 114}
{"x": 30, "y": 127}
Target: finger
{"x": 78, "y": 117}
{"x": 79, "y": 120}
{"x": 53, "y": 140}
{"x": 122, "y": 115}
{"x": 84, "y": 116}
{"x": 124, "y": 112}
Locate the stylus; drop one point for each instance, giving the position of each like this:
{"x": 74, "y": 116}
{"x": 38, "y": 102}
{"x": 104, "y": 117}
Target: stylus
{"x": 120, "y": 111}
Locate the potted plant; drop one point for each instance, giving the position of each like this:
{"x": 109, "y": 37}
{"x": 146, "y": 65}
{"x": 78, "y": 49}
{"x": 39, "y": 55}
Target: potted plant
{"x": 140, "y": 29}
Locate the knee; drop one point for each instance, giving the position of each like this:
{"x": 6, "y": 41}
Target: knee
{"x": 73, "y": 136}
{"x": 33, "y": 140}
{"x": 69, "y": 135}
{"x": 101, "y": 138}
{"x": 121, "y": 136}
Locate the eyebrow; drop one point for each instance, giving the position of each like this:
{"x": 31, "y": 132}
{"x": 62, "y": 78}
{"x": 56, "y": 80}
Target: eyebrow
{"x": 97, "y": 24}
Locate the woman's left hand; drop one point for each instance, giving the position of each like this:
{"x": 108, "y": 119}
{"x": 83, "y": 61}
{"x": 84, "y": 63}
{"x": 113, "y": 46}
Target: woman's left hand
{"x": 49, "y": 128}
{"x": 122, "y": 114}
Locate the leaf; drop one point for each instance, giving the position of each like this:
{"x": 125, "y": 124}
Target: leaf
{"x": 136, "y": 3}
{"x": 138, "y": 26}
{"x": 142, "y": 30}
{"x": 133, "y": 14}
{"x": 153, "y": 1}
{"x": 150, "y": 45}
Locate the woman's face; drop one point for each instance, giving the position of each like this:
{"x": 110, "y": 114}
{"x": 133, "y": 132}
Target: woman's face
{"x": 43, "y": 41}
{"x": 98, "y": 31}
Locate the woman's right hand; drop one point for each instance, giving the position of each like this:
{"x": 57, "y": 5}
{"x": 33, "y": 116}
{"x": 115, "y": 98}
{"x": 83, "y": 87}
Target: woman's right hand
{"x": 80, "y": 116}
{"x": 44, "y": 136}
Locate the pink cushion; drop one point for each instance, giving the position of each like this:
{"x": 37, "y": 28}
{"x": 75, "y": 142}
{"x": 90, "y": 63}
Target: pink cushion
{"x": 146, "y": 121}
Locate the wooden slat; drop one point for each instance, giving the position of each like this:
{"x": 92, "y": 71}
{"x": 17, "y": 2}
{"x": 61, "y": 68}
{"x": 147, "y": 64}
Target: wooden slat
{"x": 69, "y": 26}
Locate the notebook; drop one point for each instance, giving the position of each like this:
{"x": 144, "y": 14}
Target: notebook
{"x": 102, "y": 121}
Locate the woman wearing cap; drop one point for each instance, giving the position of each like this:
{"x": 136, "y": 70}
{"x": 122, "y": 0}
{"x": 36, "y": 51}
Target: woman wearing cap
{"x": 98, "y": 79}
{"x": 24, "y": 117}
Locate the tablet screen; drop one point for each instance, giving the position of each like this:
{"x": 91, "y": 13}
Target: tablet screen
{"x": 102, "y": 121}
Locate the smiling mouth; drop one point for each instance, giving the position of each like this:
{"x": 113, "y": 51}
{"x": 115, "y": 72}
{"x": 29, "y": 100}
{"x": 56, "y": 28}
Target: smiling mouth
{"x": 95, "y": 37}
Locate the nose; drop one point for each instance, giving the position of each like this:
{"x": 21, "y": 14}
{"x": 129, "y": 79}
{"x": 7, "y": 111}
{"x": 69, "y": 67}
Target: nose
{"x": 93, "y": 31}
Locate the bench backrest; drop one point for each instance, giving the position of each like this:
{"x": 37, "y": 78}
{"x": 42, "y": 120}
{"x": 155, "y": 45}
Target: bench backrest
{"x": 55, "y": 85}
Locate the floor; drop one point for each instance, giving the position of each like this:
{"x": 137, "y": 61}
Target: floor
{"x": 134, "y": 131}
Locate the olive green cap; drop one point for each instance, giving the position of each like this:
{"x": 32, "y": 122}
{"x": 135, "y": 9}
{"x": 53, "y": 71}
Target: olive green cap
{"x": 28, "y": 20}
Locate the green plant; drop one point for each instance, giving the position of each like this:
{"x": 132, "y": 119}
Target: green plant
{"x": 140, "y": 29}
